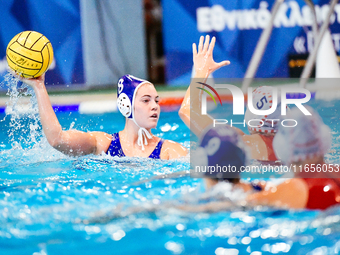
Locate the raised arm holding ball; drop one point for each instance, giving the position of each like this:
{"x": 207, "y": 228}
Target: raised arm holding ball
{"x": 138, "y": 101}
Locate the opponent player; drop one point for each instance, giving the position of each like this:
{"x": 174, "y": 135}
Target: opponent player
{"x": 303, "y": 149}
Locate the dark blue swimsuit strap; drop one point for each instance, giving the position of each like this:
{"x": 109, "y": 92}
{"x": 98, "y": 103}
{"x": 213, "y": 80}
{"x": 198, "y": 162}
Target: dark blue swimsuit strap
{"x": 115, "y": 148}
{"x": 156, "y": 154}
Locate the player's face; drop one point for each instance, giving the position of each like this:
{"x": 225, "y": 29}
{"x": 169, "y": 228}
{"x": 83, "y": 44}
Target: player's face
{"x": 146, "y": 105}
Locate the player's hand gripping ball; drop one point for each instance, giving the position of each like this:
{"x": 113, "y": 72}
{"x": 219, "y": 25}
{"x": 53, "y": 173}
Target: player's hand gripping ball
{"x": 29, "y": 54}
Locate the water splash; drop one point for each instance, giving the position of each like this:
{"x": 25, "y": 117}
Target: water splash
{"x": 24, "y": 129}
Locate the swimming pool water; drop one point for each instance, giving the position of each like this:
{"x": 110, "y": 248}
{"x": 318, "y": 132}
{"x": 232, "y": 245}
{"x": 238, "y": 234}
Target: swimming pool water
{"x": 54, "y": 204}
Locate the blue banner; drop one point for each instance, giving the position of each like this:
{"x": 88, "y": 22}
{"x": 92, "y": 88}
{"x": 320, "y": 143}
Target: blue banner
{"x": 237, "y": 26}
{"x": 59, "y": 21}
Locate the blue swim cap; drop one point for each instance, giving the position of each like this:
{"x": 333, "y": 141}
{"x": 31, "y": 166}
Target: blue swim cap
{"x": 127, "y": 89}
{"x": 223, "y": 148}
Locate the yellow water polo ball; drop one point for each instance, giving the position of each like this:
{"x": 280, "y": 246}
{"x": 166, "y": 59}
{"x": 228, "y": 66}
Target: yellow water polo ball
{"x": 29, "y": 54}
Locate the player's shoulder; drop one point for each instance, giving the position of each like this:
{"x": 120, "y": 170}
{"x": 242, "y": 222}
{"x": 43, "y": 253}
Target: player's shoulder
{"x": 103, "y": 141}
{"x": 172, "y": 144}
{"x": 101, "y": 134}
{"x": 171, "y": 150}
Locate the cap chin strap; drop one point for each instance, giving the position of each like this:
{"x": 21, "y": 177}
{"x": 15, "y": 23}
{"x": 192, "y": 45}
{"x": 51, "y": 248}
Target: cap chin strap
{"x": 142, "y": 132}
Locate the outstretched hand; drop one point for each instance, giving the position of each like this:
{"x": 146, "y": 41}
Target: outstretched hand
{"x": 204, "y": 63}
{"x": 30, "y": 81}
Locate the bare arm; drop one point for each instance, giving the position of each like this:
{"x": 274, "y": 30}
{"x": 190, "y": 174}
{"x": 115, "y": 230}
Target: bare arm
{"x": 204, "y": 65}
{"x": 283, "y": 195}
{"x": 70, "y": 142}
{"x": 172, "y": 150}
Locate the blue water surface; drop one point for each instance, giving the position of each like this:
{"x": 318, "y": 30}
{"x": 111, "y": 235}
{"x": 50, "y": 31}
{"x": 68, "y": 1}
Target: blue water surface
{"x": 54, "y": 204}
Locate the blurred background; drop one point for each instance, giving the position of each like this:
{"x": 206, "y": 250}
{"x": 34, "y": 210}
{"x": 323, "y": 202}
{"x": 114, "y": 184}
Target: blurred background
{"x": 97, "y": 41}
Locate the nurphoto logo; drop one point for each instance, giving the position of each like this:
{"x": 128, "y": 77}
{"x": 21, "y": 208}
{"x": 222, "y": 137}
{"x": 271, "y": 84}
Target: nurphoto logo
{"x": 238, "y": 103}
{"x": 211, "y": 88}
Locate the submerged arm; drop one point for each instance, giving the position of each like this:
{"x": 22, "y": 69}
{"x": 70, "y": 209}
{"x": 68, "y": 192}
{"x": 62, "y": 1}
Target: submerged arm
{"x": 283, "y": 195}
{"x": 204, "y": 65}
{"x": 70, "y": 142}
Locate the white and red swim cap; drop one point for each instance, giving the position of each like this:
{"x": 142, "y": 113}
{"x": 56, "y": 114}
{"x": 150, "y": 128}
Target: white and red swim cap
{"x": 309, "y": 138}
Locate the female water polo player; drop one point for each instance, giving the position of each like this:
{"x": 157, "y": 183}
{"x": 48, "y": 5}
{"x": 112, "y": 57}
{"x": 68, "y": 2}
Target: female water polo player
{"x": 137, "y": 101}
{"x": 261, "y": 137}
{"x": 303, "y": 148}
